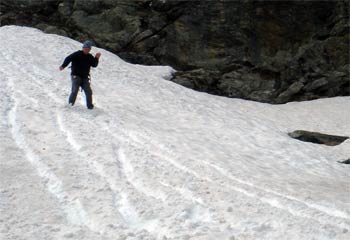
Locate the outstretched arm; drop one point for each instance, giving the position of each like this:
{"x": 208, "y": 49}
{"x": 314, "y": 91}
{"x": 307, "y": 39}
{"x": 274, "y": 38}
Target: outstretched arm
{"x": 66, "y": 61}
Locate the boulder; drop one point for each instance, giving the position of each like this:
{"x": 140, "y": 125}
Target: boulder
{"x": 321, "y": 82}
{"x": 198, "y": 79}
{"x": 288, "y": 94}
{"x": 320, "y": 138}
{"x": 51, "y": 29}
{"x": 345, "y": 161}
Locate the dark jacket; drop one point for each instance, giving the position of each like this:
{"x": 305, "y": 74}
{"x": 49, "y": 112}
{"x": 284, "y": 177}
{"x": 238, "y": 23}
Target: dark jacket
{"x": 81, "y": 63}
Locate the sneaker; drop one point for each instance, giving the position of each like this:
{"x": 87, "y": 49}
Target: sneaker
{"x": 91, "y": 107}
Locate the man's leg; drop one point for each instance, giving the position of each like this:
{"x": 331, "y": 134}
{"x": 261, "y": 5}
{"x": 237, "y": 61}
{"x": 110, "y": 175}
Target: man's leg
{"x": 88, "y": 93}
{"x": 76, "y": 81}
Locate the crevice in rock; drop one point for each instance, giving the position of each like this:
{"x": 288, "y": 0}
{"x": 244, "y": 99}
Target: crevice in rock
{"x": 139, "y": 38}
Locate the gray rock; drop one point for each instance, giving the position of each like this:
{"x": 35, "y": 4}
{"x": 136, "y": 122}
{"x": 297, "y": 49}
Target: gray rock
{"x": 65, "y": 8}
{"x": 31, "y": 4}
{"x": 89, "y": 6}
{"x": 198, "y": 79}
{"x": 290, "y": 92}
{"x": 345, "y": 162}
{"x": 320, "y": 138}
{"x": 316, "y": 84}
{"x": 51, "y": 29}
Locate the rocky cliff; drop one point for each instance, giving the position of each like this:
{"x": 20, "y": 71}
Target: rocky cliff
{"x": 269, "y": 51}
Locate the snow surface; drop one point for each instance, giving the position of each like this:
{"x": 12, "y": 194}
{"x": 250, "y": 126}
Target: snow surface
{"x": 155, "y": 160}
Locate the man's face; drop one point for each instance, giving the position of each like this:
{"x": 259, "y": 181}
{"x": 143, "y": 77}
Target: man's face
{"x": 86, "y": 50}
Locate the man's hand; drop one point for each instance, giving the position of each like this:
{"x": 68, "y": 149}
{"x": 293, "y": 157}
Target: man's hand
{"x": 98, "y": 55}
{"x": 61, "y": 68}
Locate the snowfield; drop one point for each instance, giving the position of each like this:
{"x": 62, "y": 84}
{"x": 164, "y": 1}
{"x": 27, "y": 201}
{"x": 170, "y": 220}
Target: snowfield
{"x": 155, "y": 160}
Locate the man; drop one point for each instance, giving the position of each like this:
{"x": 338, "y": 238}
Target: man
{"x": 81, "y": 61}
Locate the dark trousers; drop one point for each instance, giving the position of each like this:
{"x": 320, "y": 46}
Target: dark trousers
{"x": 85, "y": 84}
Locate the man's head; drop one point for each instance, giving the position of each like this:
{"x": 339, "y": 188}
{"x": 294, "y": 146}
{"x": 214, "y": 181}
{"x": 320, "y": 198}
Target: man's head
{"x": 87, "y": 47}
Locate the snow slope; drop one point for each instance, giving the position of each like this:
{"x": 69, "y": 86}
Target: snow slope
{"x": 155, "y": 160}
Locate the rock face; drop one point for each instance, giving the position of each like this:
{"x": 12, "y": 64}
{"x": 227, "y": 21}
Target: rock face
{"x": 269, "y": 51}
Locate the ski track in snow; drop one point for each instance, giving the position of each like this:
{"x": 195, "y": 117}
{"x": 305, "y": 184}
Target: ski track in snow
{"x": 291, "y": 204}
{"x": 111, "y": 177}
{"x": 74, "y": 210}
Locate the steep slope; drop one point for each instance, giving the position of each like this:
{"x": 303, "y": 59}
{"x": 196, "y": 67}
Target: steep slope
{"x": 155, "y": 160}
